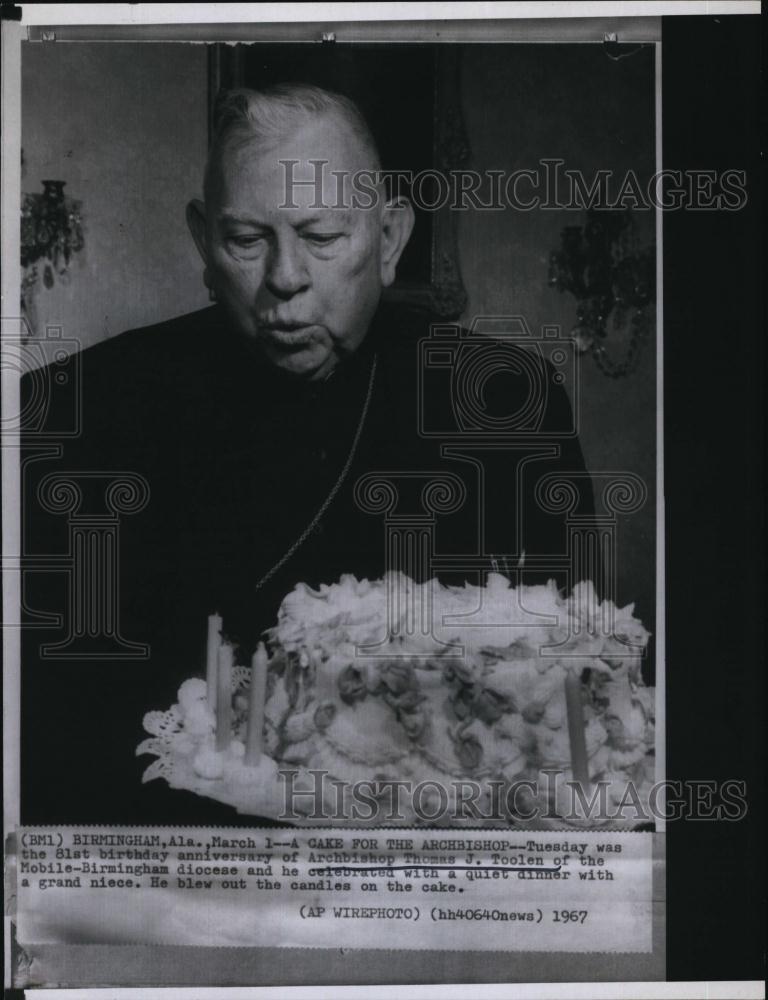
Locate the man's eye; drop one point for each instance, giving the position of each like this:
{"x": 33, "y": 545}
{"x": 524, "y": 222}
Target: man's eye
{"x": 321, "y": 239}
{"x": 245, "y": 242}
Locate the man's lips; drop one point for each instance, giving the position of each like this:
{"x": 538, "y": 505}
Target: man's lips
{"x": 291, "y": 334}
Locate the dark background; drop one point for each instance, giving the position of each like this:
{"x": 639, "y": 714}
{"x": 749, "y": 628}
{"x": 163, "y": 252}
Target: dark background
{"x": 714, "y": 467}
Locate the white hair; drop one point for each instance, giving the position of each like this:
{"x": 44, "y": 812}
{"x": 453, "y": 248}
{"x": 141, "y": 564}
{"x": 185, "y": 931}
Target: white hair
{"x": 271, "y": 114}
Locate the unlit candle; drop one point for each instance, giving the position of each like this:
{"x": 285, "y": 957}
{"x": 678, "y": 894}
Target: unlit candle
{"x": 255, "y": 736}
{"x": 577, "y": 737}
{"x": 212, "y": 657}
{"x": 224, "y": 697}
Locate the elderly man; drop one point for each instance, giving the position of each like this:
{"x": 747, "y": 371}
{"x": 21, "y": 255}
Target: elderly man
{"x": 298, "y": 272}
{"x": 254, "y": 423}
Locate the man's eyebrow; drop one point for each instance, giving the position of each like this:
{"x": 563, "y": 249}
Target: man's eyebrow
{"x": 336, "y": 215}
{"x": 243, "y": 220}
{"x": 342, "y": 216}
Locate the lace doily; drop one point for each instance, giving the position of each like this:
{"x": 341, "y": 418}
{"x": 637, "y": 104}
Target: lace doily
{"x": 177, "y": 740}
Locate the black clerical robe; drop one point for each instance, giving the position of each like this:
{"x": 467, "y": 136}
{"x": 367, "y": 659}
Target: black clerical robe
{"x": 427, "y": 450}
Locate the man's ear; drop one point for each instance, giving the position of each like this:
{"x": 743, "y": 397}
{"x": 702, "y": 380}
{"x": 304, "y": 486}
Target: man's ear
{"x": 196, "y": 223}
{"x": 396, "y": 228}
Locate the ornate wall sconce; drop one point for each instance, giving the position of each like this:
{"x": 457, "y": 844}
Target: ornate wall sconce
{"x": 51, "y": 232}
{"x": 602, "y": 265}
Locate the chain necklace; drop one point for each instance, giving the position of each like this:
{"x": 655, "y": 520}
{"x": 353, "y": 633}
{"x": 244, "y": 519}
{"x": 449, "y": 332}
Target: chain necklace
{"x": 334, "y": 489}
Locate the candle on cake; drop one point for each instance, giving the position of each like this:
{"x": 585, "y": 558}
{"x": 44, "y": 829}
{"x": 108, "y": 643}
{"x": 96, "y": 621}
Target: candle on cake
{"x": 211, "y": 658}
{"x": 576, "y": 734}
{"x": 254, "y": 738}
{"x": 225, "y": 661}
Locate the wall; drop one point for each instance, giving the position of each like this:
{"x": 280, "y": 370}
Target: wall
{"x": 598, "y": 114}
{"x": 125, "y": 125}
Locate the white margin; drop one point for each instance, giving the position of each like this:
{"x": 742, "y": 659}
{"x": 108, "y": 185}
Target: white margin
{"x": 226, "y": 13}
{"x": 725, "y": 990}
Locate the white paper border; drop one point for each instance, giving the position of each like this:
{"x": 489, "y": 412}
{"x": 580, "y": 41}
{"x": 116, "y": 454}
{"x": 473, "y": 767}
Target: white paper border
{"x": 223, "y": 13}
{"x": 718, "y": 990}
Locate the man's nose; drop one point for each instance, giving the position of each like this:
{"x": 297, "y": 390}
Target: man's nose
{"x": 286, "y": 270}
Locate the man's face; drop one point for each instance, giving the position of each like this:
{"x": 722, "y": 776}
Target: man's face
{"x": 301, "y": 283}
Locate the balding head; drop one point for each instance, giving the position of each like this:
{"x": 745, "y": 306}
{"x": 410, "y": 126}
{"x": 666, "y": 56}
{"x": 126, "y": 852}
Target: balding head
{"x": 266, "y": 117}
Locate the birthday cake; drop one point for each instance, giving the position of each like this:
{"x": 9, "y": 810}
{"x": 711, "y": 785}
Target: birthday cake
{"x": 458, "y": 693}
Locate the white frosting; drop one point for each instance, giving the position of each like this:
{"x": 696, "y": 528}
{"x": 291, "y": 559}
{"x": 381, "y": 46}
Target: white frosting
{"x": 192, "y": 693}
{"x": 409, "y": 707}
{"x": 209, "y": 763}
{"x": 265, "y": 772}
